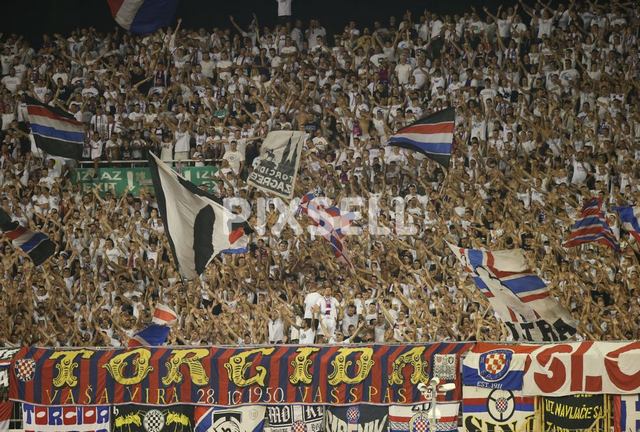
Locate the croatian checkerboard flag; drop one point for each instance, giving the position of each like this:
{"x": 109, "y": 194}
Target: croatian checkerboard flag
{"x": 592, "y": 226}
{"x": 143, "y": 16}
{"x": 330, "y": 222}
{"x": 517, "y": 295}
{"x": 157, "y": 333}
{"x": 630, "y": 219}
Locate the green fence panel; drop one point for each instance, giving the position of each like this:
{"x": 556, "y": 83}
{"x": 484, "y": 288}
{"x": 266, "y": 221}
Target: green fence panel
{"x": 117, "y": 180}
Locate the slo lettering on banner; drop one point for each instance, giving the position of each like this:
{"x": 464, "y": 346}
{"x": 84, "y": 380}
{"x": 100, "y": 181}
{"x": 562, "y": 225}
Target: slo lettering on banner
{"x": 584, "y": 367}
{"x": 238, "y": 419}
{"x": 575, "y": 412}
{"x": 134, "y": 418}
{"x": 216, "y": 376}
{"x": 36, "y": 418}
{"x": 277, "y": 167}
{"x": 294, "y": 418}
{"x": 357, "y": 418}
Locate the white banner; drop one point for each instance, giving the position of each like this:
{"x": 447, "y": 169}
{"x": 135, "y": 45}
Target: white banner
{"x": 37, "y": 418}
{"x": 496, "y": 410}
{"x": 277, "y": 167}
{"x": 294, "y": 418}
{"x": 584, "y": 367}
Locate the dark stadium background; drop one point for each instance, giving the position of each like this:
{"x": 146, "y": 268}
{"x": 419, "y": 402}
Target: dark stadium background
{"x": 32, "y": 18}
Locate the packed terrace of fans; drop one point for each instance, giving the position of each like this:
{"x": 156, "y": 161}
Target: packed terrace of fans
{"x": 547, "y": 114}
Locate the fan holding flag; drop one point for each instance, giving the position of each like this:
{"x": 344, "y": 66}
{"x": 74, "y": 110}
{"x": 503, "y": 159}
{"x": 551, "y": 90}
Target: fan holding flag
{"x": 157, "y": 333}
{"x": 431, "y": 136}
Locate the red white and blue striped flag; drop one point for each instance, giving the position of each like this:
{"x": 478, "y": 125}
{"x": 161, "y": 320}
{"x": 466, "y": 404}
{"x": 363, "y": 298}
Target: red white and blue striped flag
{"x": 630, "y": 220}
{"x": 592, "y": 226}
{"x": 164, "y": 315}
{"x": 55, "y": 131}
{"x": 431, "y": 135}
{"x": 157, "y": 332}
{"x": 329, "y": 221}
{"x": 143, "y": 16}
{"x": 518, "y": 296}
{"x": 35, "y": 244}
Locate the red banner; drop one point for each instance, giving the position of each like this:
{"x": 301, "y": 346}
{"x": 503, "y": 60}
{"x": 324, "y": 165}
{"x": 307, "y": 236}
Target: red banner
{"x": 334, "y": 375}
{"x": 584, "y": 367}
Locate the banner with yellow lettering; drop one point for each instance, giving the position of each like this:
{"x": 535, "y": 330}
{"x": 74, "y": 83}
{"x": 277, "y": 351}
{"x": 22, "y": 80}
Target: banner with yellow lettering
{"x": 576, "y": 412}
{"x": 333, "y": 375}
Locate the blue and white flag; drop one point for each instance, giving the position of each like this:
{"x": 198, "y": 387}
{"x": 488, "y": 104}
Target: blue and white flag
{"x": 496, "y": 366}
{"x": 143, "y": 16}
{"x": 431, "y": 136}
{"x": 518, "y": 296}
{"x": 55, "y": 131}
{"x": 630, "y": 220}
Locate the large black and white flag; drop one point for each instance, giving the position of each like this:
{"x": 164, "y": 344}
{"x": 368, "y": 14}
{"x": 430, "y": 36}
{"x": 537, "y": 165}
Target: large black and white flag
{"x": 278, "y": 163}
{"x": 197, "y": 224}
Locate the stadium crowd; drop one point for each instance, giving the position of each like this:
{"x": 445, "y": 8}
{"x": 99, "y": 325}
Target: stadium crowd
{"x": 547, "y": 114}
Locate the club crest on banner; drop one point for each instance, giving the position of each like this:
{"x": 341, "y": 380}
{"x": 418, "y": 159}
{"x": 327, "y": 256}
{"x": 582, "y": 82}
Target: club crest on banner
{"x": 25, "y": 369}
{"x": 353, "y": 415}
{"x": 299, "y": 426}
{"x": 419, "y": 423}
{"x": 501, "y": 405}
{"x": 494, "y": 365}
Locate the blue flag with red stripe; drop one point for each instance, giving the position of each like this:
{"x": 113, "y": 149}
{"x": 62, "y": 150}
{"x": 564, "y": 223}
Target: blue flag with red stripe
{"x": 431, "y": 136}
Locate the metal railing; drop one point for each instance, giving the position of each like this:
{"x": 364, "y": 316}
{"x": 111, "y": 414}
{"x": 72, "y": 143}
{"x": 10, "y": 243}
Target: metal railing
{"x": 133, "y": 163}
